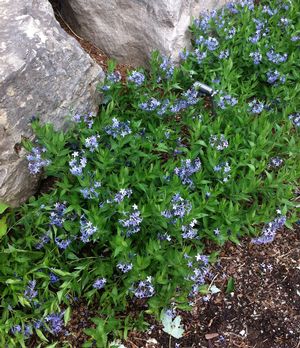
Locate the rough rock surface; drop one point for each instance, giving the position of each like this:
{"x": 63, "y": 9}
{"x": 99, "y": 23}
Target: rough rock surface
{"x": 128, "y": 30}
{"x": 43, "y": 72}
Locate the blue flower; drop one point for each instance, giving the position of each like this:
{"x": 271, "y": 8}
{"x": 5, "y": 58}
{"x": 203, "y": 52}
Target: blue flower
{"x": 118, "y": 128}
{"x": 77, "y": 164}
{"x": 62, "y": 244}
{"x": 187, "y": 169}
{"x": 100, "y": 283}
{"x": 167, "y": 67}
{"x": 30, "y": 291}
{"x": 212, "y": 43}
{"x": 256, "y": 107}
{"x": 16, "y": 329}
{"x": 224, "y": 54}
{"x": 87, "y": 229}
{"x": 53, "y": 278}
{"x": 269, "y": 231}
{"x": 218, "y": 141}
{"x": 136, "y": 77}
{"x": 114, "y": 77}
{"x": 295, "y": 118}
{"x": 35, "y": 161}
{"x": 57, "y": 215}
{"x": 91, "y": 143}
{"x": 188, "y": 231}
{"x": 120, "y": 196}
{"x": 179, "y": 208}
{"x": 132, "y": 223}
{"x": 276, "y": 58}
{"x": 55, "y": 322}
{"x": 150, "y": 105}
{"x": 275, "y": 162}
{"x": 86, "y": 118}
{"x": 144, "y": 289}
{"x": 256, "y": 56}
{"x": 227, "y": 100}
{"x": 200, "y": 55}
{"x": 124, "y": 267}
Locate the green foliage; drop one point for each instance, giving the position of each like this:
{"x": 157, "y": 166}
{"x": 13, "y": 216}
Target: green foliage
{"x": 128, "y": 218}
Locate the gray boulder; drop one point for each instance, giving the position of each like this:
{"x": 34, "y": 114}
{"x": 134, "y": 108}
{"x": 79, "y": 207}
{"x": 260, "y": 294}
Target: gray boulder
{"x": 128, "y": 30}
{"x": 43, "y": 72}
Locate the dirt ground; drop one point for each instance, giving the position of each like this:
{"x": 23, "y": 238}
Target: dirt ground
{"x": 262, "y": 312}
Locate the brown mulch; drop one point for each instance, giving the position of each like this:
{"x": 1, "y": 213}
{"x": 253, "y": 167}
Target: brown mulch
{"x": 262, "y": 312}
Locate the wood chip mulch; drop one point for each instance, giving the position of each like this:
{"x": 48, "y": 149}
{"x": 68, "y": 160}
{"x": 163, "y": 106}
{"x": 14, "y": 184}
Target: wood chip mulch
{"x": 262, "y": 312}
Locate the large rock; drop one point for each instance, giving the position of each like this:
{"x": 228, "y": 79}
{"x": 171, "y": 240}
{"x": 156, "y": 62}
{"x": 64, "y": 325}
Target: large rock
{"x": 128, "y": 30}
{"x": 43, "y": 72}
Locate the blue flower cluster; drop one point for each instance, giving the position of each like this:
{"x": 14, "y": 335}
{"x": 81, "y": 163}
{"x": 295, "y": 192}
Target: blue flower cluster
{"x": 187, "y": 169}
{"x": 256, "y": 56}
{"x": 77, "y": 164}
{"x": 224, "y": 54}
{"x": 44, "y": 239}
{"x": 118, "y": 128}
{"x": 62, "y": 243}
{"x": 144, "y": 289}
{"x": 295, "y": 118}
{"x": 200, "y": 271}
{"x": 100, "y": 283}
{"x": 200, "y": 55}
{"x": 30, "y": 292}
{"x": 180, "y": 208}
{"x": 55, "y": 322}
{"x": 132, "y": 223}
{"x": 224, "y": 169}
{"x": 114, "y": 77}
{"x": 188, "y": 231}
{"x": 218, "y": 141}
{"x": 256, "y": 107}
{"x": 87, "y": 229}
{"x": 35, "y": 161}
{"x": 150, "y": 105}
{"x": 276, "y": 58}
{"x": 211, "y": 43}
{"x": 120, "y": 196}
{"x": 273, "y": 76}
{"x": 227, "y": 100}
{"x": 167, "y": 67}
{"x": 91, "y": 192}
{"x": 269, "y": 231}
{"x": 136, "y": 77}
{"x": 275, "y": 162}
{"x": 57, "y": 215}
{"x": 91, "y": 142}
{"x": 124, "y": 267}
{"x": 88, "y": 119}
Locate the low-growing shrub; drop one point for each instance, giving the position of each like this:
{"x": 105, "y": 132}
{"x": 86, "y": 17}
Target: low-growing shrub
{"x": 141, "y": 187}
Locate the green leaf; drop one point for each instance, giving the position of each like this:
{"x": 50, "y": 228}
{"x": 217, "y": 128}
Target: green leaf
{"x": 3, "y": 207}
{"x": 41, "y": 335}
{"x": 230, "y": 285}
{"x": 67, "y": 315}
{"x": 3, "y": 227}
